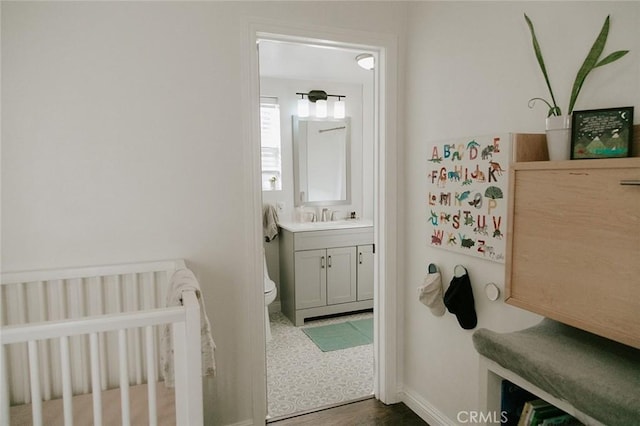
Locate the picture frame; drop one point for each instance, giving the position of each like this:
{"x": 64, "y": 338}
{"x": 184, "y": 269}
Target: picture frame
{"x": 601, "y": 133}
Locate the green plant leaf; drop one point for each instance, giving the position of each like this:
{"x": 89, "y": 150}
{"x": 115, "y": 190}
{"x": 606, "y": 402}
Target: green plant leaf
{"x": 589, "y": 63}
{"x": 612, "y": 57}
{"x": 553, "y": 110}
{"x": 538, "y": 53}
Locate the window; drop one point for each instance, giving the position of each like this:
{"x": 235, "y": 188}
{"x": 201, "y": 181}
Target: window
{"x": 270, "y": 142}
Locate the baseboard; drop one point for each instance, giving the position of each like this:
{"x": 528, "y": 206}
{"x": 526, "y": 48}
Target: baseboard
{"x": 424, "y": 409}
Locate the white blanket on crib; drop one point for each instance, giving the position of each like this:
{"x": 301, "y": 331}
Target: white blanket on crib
{"x": 183, "y": 280}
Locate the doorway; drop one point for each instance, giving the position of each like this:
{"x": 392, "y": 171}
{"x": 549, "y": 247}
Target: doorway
{"x": 302, "y": 377}
{"x": 385, "y": 184}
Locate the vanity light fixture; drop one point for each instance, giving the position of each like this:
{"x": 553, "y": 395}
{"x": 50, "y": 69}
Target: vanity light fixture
{"x": 319, "y": 98}
{"x": 366, "y": 61}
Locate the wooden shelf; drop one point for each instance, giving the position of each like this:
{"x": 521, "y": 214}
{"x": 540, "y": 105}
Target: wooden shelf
{"x": 528, "y": 147}
{"x": 491, "y": 376}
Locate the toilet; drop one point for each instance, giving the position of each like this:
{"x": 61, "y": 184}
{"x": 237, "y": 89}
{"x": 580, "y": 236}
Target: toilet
{"x": 270, "y": 293}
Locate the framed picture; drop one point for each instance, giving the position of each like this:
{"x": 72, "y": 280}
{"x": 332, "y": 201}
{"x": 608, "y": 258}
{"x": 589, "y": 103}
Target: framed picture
{"x": 602, "y": 133}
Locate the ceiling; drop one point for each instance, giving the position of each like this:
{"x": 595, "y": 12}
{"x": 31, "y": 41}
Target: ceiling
{"x": 306, "y": 62}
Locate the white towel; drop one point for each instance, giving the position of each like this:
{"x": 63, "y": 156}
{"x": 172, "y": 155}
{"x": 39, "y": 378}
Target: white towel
{"x": 269, "y": 222}
{"x": 184, "y": 280}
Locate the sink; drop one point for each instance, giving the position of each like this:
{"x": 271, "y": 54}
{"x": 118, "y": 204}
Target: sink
{"x": 319, "y": 226}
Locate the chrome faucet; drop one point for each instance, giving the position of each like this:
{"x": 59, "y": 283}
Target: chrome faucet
{"x": 325, "y": 215}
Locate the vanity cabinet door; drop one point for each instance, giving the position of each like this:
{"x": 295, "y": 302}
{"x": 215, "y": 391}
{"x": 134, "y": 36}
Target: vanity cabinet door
{"x": 365, "y": 272}
{"x": 341, "y": 275}
{"x": 311, "y": 278}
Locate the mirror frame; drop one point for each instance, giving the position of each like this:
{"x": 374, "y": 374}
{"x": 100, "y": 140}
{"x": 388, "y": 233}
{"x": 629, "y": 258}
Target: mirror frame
{"x": 296, "y": 161}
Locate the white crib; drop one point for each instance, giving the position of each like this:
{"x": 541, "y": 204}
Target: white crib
{"x": 81, "y": 346}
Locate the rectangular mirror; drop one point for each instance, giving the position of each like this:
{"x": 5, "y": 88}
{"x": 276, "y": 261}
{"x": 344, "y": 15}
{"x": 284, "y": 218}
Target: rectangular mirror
{"x": 321, "y": 161}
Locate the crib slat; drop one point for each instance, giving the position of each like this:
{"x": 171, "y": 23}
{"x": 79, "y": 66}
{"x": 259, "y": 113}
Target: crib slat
{"x": 76, "y": 309}
{"x": 44, "y": 369}
{"x": 22, "y": 318}
{"x": 151, "y": 375}
{"x": 20, "y": 354}
{"x": 53, "y": 344}
{"x": 44, "y": 347}
{"x": 180, "y": 380}
{"x": 124, "y": 377}
{"x": 95, "y": 379}
{"x": 137, "y": 337}
{"x": 96, "y": 297}
{"x": 65, "y": 368}
{"x": 34, "y": 369}
{"x": 4, "y": 388}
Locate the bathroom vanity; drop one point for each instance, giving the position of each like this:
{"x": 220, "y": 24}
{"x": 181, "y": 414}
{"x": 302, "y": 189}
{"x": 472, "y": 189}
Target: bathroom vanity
{"x": 325, "y": 268}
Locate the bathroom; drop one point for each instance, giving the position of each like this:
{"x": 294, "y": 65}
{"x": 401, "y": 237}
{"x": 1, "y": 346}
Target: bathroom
{"x": 288, "y": 72}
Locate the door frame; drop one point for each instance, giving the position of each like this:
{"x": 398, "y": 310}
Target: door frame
{"x": 387, "y": 327}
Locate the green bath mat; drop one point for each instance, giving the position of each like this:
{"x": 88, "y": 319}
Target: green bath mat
{"x": 343, "y": 335}
{"x": 364, "y": 326}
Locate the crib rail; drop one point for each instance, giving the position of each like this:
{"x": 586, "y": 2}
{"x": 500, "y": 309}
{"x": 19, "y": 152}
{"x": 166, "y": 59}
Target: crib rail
{"x": 186, "y": 326}
{"x": 166, "y": 266}
{"x": 59, "y": 294}
{"x": 100, "y": 327}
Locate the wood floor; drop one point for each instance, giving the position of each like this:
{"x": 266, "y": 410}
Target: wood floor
{"x": 362, "y": 413}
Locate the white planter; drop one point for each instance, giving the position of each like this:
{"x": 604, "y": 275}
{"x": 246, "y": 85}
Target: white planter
{"x": 559, "y": 137}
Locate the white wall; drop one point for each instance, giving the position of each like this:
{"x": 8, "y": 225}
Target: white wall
{"x": 122, "y": 136}
{"x": 470, "y": 71}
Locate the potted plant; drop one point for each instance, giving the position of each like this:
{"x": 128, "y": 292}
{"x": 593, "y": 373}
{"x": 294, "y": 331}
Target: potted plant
{"x": 557, "y": 124}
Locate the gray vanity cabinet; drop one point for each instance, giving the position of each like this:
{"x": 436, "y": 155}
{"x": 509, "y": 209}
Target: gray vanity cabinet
{"x": 310, "y": 268}
{"x": 325, "y": 272}
{"x": 329, "y": 277}
{"x": 341, "y": 275}
{"x": 365, "y": 272}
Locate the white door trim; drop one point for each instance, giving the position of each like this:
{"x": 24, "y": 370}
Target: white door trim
{"x": 386, "y": 321}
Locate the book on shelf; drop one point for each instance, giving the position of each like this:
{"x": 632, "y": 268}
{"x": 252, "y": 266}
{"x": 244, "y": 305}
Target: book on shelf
{"x": 562, "y": 420}
{"x": 512, "y": 401}
{"x": 539, "y": 412}
{"x": 528, "y": 409}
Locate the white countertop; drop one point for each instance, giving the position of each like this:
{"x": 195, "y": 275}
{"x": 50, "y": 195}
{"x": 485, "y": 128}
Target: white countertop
{"x": 321, "y": 226}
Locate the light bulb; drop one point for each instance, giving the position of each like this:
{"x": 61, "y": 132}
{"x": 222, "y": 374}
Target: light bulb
{"x": 303, "y": 108}
{"x": 321, "y": 108}
{"x": 339, "y": 109}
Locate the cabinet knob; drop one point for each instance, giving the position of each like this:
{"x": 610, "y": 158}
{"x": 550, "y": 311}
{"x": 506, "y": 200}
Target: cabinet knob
{"x": 630, "y": 182}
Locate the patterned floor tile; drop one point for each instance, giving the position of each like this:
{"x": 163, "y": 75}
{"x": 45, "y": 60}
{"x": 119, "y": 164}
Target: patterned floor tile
{"x": 301, "y": 377}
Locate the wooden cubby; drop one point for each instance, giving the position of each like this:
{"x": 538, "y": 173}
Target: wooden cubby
{"x": 573, "y": 241}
